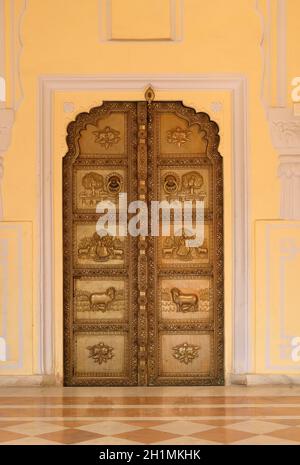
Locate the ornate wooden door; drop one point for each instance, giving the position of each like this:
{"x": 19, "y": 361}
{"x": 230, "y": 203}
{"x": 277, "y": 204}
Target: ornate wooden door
{"x": 142, "y": 310}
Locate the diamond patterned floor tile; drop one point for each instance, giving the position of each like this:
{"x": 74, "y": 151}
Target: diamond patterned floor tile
{"x": 222, "y": 435}
{"x": 109, "y": 428}
{"x": 70, "y": 436}
{"x": 265, "y": 440}
{"x": 146, "y": 436}
{"x": 283, "y": 421}
{"x": 5, "y": 424}
{"x": 257, "y": 427}
{"x": 219, "y": 422}
{"x": 9, "y": 436}
{"x": 292, "y": 434}
{"x": 182, "y": 427}
{"x": 183, "y": 440}
{"x": 29, "y": 441}
{"x": 35, "y": 428}
{"x": 72, "y": 423}
{"x": 108, "y": 440}
{"x": 145, "y": 423}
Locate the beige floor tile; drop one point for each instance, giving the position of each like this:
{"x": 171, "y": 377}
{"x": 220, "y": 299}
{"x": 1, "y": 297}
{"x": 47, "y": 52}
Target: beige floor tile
{"x": 265, "y": 440}
{"x": 186, "y": 440}
{"x": 257, "y": 427}
{"x": 145, "y": 423}
{"x": 109, "y": 428}
{"x": 108, "y": 440}
{"x": 29, "y": 441}
{"x": 34, "y": 428}
{"x": 182, "y": 427}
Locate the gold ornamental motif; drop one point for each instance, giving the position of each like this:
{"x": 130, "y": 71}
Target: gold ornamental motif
{"x": 184, "y": 302}
{"x": 189, "y": 186}
{"x": 149, "y": 94}
{"x": 100, "y": 353}
{"x": 100, "y": 248}
{"x": 186, "y": 353}
{"x": 96, "y": 188}
{"x": 175, "y": 300}
{"x": 171, "y": 183}
{"x": 107, "y": 137}
{"x": 96, "y": 301}
{"x": 176, "y": 247}
{"x": 178, "y": 136}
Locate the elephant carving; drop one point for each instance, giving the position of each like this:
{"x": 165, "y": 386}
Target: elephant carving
{"x": 184, "y": 302}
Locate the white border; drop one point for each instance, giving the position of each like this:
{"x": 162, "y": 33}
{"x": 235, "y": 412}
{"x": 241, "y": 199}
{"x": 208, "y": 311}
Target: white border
{"x": 105, "y": 24}
{"x": 237, "y": 85}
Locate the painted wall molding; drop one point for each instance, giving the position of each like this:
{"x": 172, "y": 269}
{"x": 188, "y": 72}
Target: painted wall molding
{"x": 284, "y": 124}
{"x": 12, "y": 47}
{"x": 285, "y": 133}
{"x": 16, "y": 296}
{"x": 237, "y": 86}
{"x": 173, "y": 35}
{"x": 259, "y": 379}
{"x": 7, "y": 116}
{"x": 27, "y": 380}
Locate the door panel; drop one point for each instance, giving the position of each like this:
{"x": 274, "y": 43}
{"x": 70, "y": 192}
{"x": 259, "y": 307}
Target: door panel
{"x": 142, "y": 310}
{"x": 185, "y": 311}
{"x": 100, "y": 273}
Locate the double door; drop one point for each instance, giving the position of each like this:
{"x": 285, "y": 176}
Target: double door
{"x": 142, "y": 309}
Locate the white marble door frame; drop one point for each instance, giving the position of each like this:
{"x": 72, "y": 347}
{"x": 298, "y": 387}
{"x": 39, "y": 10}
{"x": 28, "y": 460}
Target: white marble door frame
{"x": 237, "y": 86}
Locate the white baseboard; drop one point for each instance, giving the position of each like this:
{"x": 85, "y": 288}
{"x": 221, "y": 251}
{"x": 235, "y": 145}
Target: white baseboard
{"x": 27, "y": 380}
{"x": 233, "y": 379}
{"x": 264, "y": 379}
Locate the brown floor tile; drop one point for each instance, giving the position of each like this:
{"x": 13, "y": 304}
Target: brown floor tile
{"x": 293, "y": 434}
{"x": 222, "y": 435}
{"x": 5, "y": 424}
{"x": 146, "y": 436}
{"x": 144, "y": 423}
{"x": 292, "y": 422}
{"x": 216, "y": 422}
{"x": 72, "y": 423}
{"x": 9, "y": 436}
{"x": 70, "y": 436}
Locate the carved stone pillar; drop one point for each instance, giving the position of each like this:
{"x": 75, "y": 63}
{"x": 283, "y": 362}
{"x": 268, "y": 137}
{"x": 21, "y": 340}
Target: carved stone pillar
{"x": 285, "y": 131}
{"x": 6, "y": 122}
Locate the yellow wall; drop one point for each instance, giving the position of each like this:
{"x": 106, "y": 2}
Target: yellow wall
{"x": 218, "y": 37}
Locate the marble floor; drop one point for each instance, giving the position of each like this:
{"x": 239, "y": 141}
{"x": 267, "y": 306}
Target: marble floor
{"x": 156, "y": 415}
